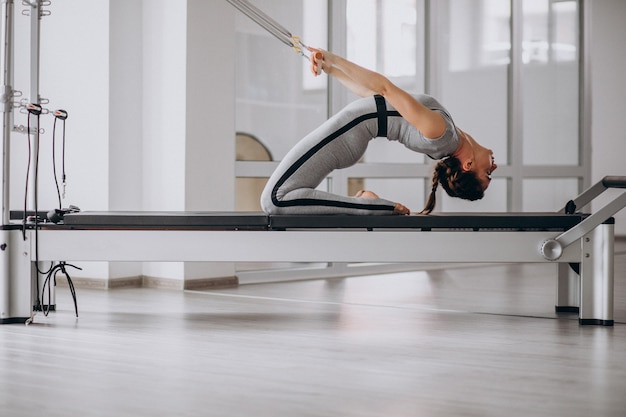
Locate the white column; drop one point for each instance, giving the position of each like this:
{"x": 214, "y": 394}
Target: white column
{"x": 188, "y": 117}
{"x": 210, "y": 102}
{"x": 125, "y": 143}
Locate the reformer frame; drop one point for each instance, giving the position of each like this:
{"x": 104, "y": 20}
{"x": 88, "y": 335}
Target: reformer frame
{"x": 570, "y": 239}
{"x": 573, "y": 240}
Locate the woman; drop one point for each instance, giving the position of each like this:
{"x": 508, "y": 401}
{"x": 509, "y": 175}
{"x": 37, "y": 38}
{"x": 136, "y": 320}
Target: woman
{"x": 419, "y": 122}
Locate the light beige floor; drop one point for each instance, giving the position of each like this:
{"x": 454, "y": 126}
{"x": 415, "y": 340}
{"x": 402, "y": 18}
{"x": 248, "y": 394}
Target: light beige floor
{"x": 460, "y": 342}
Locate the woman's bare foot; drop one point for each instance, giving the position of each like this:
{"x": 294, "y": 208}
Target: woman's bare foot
{"x": 400, "y": 209}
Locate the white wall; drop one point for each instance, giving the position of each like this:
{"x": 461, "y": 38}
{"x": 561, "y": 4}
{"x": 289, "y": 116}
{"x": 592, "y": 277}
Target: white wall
{"x": 608, "y": 57}
{"x": 149, "y": 88}
{"x": 73, "y": 76}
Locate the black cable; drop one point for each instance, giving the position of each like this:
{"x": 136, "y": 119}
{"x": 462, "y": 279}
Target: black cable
{"x": 52, "y": 276}
{"x": 39, "y": 299}
{"x": 63, "y": 156}
{"x": 60, "y": 115}
{"x": 27, "y": 178}
{"x": 54, "y": 165}
{"x": 36, "y": 201}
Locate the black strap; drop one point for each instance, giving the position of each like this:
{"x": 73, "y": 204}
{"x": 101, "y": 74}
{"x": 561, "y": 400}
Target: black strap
{"x": 381, "y": 110}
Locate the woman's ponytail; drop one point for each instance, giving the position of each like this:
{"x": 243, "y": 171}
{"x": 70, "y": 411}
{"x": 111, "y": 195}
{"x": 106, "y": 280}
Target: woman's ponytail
{"x": 455, "y": 181}
{"x": 432, "y": 197}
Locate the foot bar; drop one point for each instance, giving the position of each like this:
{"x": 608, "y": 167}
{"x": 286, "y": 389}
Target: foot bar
{"x": 595, "y": 190}
{"x": 553, "y": 248}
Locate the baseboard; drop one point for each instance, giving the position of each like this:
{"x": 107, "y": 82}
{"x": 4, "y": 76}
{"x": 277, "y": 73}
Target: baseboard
{"x": 149, "y": 282}
{"x": 85, "y": 283}
{"x": 162, "y": 283}
{"x": 127, "y": 282}
{"x": 211, "y": 283}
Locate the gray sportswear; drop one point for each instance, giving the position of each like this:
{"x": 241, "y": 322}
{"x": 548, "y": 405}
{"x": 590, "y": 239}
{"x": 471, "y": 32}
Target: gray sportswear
{"x": 340, "y": 142}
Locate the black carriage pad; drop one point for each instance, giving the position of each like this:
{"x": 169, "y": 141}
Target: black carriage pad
{"x": 260, "y": 221}
{"x": 471, "y": 221}
{"x": 212, "y": 220}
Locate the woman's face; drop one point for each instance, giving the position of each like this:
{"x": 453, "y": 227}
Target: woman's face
{"x": 483, "y": 164}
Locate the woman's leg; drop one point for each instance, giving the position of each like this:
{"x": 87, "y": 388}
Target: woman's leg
{"x": 338, "y": 143}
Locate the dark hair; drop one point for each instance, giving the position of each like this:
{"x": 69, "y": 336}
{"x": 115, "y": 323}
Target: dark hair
{"x": 457, "y": 182}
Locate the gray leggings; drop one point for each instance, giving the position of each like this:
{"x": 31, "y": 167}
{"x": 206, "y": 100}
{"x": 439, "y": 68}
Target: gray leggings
{"x": 338, "y": 143}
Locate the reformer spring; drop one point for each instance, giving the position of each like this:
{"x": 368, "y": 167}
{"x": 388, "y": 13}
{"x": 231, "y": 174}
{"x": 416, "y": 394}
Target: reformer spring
{"x": 273, "y": 27}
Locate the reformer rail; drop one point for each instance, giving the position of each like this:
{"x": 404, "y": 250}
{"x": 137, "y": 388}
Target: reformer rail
{"x": 256, "y": 237}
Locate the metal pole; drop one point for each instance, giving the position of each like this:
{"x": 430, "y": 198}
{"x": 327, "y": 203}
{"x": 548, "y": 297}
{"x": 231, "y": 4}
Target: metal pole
{"x": 6, "y": 40}
{"x": 516, "y": 107}
{"x": 35, "y": 16}
{"x": 597, "y": 277}
{"x": 6, "y": 96}
{"x": 584, "y": 88}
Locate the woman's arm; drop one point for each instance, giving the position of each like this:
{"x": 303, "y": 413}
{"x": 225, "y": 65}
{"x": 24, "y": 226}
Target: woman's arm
{"x": 364, "y": 82}
{"x": 356, "y": 88}
{"x": 334, "y": 71}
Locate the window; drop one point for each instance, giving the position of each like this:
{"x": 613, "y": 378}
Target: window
{"x": 509, "y": 72}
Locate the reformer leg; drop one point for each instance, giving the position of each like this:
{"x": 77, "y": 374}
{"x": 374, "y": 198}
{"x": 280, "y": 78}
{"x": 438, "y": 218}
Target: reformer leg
{"x": 596, "y": 276}
{"x": 16, "y": 289}
{"x": 567, "y": 290}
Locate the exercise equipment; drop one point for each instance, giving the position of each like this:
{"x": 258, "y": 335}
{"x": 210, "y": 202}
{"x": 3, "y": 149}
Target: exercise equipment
{"x": 563, "y": 238}
{"x": 569, "y": 237}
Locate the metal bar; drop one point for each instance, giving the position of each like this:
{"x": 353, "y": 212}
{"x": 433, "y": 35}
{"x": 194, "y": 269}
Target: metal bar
{"x": 34, "y": 50}
{"x": 584, "y": 90}
{"x": 35, "y": 16}
{"x": 336, "y": 98}
{"x": 294, "y": 246}
{"x": 592, "y": 222}
{"x": 597, "y": 277}
{"x": 269, "y": 28}
{"x": 6, "y": 41}
{"x": 592, "y": 192}
{"x": 260, "y": 18}
{"x": 16, "y": 294}
{"x": 515, "y": 113}
{"x": 432, "y": 44}
{"x": 7, "y": 66}
{"x": 272, "y": 26}
{"x": 5, "y": 283}
{"x": 584, "y": 198}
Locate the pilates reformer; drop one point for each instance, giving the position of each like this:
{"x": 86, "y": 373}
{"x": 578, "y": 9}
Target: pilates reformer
{"x": 582, "y": 245}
